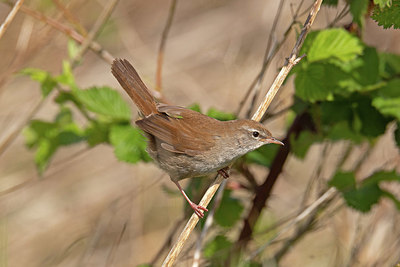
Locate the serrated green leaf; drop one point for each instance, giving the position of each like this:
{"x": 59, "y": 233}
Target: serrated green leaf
{"x": 343, "y": 181}
{"x": 47, "y": 82}
{"x": 263, "y": 156}
{"x": 388, "y": 106}
{"x": 310, "y": 83}
{"x": 217, "y": 249}
{"x": 334, "y": 43}
{"x": 358, "y": 9}
{"x": 318, "y": 81}
{"x": 220, "y": 115}
{"x": 388, "y": 16}
{"x": 104, "y": 101}
{"x": 229, "y": 211}
{"x": 129, "y": 144}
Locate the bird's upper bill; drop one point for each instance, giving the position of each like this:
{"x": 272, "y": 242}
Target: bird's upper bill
{"x": 273, "y": 140}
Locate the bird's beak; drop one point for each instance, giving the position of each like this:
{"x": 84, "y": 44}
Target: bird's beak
{"x": 273, "y": 140}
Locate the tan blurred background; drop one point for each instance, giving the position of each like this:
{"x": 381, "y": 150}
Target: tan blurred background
{"x": 88, "y": 209}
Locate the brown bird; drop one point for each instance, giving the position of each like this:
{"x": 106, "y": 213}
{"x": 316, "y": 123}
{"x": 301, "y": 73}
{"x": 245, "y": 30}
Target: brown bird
{"x": 186, "y": 143}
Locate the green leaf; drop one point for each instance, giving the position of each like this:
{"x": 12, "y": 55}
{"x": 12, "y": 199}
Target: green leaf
{"x": 37, "y": 130}
{"x": 388, "y": 106}
{"x": 343, "y": 181}
{"x": 229, "y": 211}
{"x": 195, "y": 107}
{"x": 129, "y": 144}
{"x": 342, "y": 131}
{"x": 73, "y": 49}
{"x": 390, "y": 64}
{"x": 47, "y": 82}
{"x": 373, "y": 123}
{"x": 383, "y": 3}
{"x": 302, "y": 143}
{"x": 391, "y": 89}
{"x": 104, "y": 101}
{"x": 319, "y": 81}
{"x": 97, "y": 132}
{"x": 336, "y": 44}
{"x": 368, "y": 72}
{"x": 220, "y": 115}
{"x": 392, "y": 197}
{"x": 330, "y": 2}
{"x": 358, "y": 9}
{"x": 67, "y": 77}
{"x": 368, "y": 193}
{"x": 263, "y": 156}
{"x": 388, "y": 16}
{"x": 217, "y": 249}
{"x": 45, "y": 150}
{"x": 381, "y": 176}
{"x": 363, "y": 198}
{"x": 336, "y": 111}
{"x": 47, "y": 137}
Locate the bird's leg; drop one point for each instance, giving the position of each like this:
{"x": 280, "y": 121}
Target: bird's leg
{"x": 224, "y": 172}
{"x": 197, "y": 208}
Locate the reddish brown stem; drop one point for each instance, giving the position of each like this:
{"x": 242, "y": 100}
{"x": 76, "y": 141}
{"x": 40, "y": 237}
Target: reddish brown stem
{"x": 302, "y": 121}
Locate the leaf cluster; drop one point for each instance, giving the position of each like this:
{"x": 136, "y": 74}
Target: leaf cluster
{"x": 107, "y": 119}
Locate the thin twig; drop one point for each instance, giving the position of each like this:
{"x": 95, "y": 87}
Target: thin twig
{"x": 269, "y": 55}
{"x": 304, "y": 214}
{"x": 70, "y": 17}
{"x": 11, "y": 137}
{"x": 70, "y": 32}
{"x": 160, "y": 58}
{"x": 293, "y": 59}
{"x": 10, "y": 17}
{"x": 167, "y": 241}
{"x": 102, "y": 18}
{"x": 194, "y": 219}
{"x": 207, "y": 224}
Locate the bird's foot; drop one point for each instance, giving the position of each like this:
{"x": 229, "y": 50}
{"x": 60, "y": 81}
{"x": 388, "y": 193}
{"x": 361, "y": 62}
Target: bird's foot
{"x": 198, "y": 209}
{"x": 224, "y": 172}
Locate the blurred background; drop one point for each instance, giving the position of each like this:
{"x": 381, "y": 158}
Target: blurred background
{"x": 89, "y": 209}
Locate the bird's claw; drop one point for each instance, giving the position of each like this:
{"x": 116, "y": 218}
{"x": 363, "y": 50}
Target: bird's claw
{"x": 197, "y": 209}
{"x": 224, "y": 172}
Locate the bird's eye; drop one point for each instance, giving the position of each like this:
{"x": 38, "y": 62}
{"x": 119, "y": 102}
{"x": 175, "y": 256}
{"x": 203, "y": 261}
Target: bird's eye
{"x": 256, "y": 134}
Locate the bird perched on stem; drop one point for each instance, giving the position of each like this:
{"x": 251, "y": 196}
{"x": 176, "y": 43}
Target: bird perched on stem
{"x": 186, "y": 143}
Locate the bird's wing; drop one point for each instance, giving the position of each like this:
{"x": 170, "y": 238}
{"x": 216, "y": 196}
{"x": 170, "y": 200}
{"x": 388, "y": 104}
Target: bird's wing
{"x": 179, "y": 129}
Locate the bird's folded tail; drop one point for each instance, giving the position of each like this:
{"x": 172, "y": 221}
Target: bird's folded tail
{"x": 129, "y": 79}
